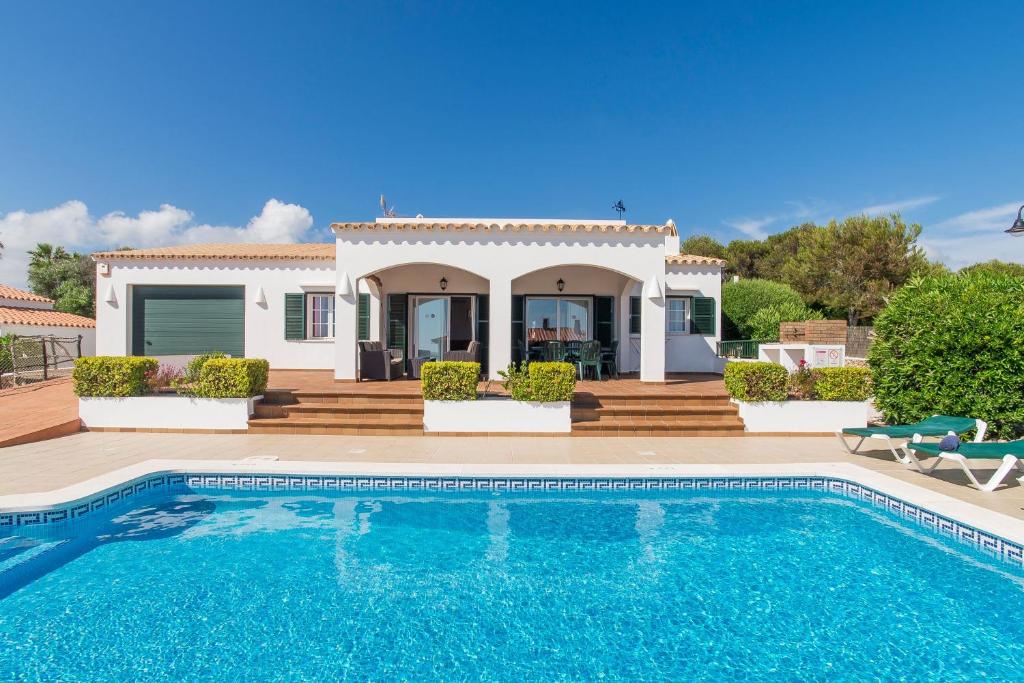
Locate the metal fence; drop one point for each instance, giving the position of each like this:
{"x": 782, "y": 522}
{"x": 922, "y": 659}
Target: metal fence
{"x": 740, "y": 348}
{"x": 27, "y": 359}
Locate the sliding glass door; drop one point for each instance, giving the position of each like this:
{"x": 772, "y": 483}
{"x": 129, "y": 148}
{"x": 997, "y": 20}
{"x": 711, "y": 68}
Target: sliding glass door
{"x": 441, "y": 323}
{"x": 558, "y": 318}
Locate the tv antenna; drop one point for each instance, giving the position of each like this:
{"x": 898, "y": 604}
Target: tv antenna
{"x": 618, "y": 206}
{"x": 389, "y": 211}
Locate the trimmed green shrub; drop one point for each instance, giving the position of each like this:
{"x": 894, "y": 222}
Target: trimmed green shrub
{"x": 841, "y": 384}
{"x": 764, "y": 325}
{"x": 552, "y": 381}
{"x": 540, "y": 381}
{"x": 195, "y": 366}
{"x": 232, "y": 378}
{"x": 757, "y": 381}
{"x": 449, "y": 380}
{"x": 953, "y": 345}
{"x": 113, "y": 375}
{"x": 742, "y": 299}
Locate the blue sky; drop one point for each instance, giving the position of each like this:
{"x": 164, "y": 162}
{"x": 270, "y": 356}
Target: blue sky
{"x": 154, "y": 123}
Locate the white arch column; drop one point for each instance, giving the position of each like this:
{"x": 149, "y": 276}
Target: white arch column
{"x": 346, "y": 327}
{"x": 499, "y": 326}
{"x": 652, "y": 331}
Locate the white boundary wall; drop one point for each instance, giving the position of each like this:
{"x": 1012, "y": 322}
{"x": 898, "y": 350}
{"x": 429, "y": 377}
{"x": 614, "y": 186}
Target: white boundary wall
{"x": 496, "y": 415}
{"x": 166, "y": 412}
{"x": 802, "y": 416}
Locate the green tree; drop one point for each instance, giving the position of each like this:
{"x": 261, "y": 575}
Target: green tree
{"x": 67, "y": 278}
{"x": 851, "y": 267}
{"x": 741, "y": 300}
{"x": 742, "y": 257}
{"x": 702, "y": 245}
{"x": 995, "y": 266}
{"x": 782, "y": 249}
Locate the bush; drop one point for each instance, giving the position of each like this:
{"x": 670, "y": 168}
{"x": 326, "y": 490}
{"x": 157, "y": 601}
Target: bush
{"x": 841, "y": 384}
{"x": 164, "y": 377}
{"x": 5, "y": 352}
{"x": 450, "y": 380}
{"x": 113, "y": 375}
{"x": 764, "y": 325}
{"x": 232, "y": 378}
{"x": 758, "y": 381}
{"x": 953, "y": 345}
{"x": 540, "y": 381}
{"x": 743, "y": 299}
{"x": 195, "y": 366}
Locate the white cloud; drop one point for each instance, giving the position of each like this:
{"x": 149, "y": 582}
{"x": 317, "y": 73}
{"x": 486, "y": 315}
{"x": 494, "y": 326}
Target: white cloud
{"x": 752, "y": 227}
{"x": 71, "y": 226}
{"x": 899, "y": 205}
{"x": 992, "y": 218}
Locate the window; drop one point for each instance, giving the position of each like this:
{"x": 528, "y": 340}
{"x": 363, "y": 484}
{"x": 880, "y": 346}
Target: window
{"x": 676, "y": 315}
{"x": 556, "y": 318}
{"x": 320, "y": 315}
{"x": 634, "y": 315}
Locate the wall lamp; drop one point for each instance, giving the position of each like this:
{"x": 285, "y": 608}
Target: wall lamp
{"x": 560, "y": 284}
{"x": 444, "y": 283}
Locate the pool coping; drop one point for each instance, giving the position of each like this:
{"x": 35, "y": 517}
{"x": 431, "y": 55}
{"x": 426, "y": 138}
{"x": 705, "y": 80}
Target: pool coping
{"x": 994, "y": 523}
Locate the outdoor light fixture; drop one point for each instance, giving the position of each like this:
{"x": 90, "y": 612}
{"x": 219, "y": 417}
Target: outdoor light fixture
{"x": 444, "y": 283}
{"x": 344, "y": 285}
{"x": 1017, "y": 229}
{"x": 560, "y": 284}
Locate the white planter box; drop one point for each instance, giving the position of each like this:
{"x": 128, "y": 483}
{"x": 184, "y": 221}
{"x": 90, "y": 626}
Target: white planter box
{"x": 166, "y": 412}
{"x": 496, "y": 415}
{"x": 802, "y": 416}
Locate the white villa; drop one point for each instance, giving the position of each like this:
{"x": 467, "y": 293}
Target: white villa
{"x": 421, "y": 287}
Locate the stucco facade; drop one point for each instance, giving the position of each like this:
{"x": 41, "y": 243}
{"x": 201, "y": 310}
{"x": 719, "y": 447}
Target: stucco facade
{"x": 491, "y": 263}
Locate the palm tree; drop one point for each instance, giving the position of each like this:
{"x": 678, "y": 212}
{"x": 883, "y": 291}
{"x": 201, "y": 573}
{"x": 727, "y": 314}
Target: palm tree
{"x": 45, "y": 254}
{"x": 46, "y": 269}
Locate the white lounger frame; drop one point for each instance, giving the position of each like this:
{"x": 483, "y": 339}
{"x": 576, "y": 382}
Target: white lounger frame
{"x": 894, "y": 446}
{"x": 1009, "y": 462}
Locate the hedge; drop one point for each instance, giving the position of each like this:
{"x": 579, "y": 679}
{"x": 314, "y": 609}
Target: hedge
{"x": 841, "y": 384}
{"x": 743, "y": 299}
{"x": 764, "y": 324}
{"x": 546, "y": 382}
{"x": 450, "y": 380}
{"x": 195, "y": 366}
{"x": 953, "y": 345}
{"x": 113, "y": 375}
{"x": 757, "y": 381}
{"x": 232, "y": 378}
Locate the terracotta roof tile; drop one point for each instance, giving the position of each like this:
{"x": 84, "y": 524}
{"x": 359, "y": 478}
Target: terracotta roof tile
{"x": 12, "y": 315}
{"x": 691, "y": 260}
{"x": 585, "y": 228}
{"x": 254, "y": 251}
{"x": 7, "y": 292}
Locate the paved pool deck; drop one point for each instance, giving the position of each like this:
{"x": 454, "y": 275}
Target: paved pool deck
{"x": 56, "y": 463}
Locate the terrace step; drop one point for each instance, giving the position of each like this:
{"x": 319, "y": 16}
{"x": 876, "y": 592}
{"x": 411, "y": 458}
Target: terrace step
{"x": 292, "y": 425}
{"x": 658, "y": 414}
{"x": 644, "y": 427}
{"x": 278, "y": 410}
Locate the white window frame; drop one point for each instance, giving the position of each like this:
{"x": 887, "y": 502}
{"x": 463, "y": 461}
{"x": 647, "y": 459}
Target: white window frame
{"x": 310, "y": 299}
{"x": 687, "y": 306}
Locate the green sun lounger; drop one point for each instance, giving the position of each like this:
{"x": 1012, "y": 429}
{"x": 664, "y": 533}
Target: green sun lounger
{"x": 934, "y": 426}
{"x": 1010, "y": 452}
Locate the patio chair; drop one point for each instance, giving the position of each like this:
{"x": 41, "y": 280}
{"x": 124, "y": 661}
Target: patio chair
{"x": 934, "y": 426}
{"x": 377, "y": 362}
{"x": 610, "y": 358}
{"x": 471, "y": 354}
{"x": 590, "y": 357}
{"x": 1010, "y": 452}
{"x": 554, "y": 351}
{"x": 572, "y": 350}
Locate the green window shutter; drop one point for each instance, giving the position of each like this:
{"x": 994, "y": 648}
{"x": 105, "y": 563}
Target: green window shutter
{"x": 364, "y": 317}
{"x": 169, "y": 320}
{"x": 604, "y": 319}
{"x": 294, "y": 316}
{"x": 398, "y": 306}
{"x": 483, "y": 328}
{"x": 634, "y": 315}
{"x": 518, "y": 326}
{"x": 702, "y": 317}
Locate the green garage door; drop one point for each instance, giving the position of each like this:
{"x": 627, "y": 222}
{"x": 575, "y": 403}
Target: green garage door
{"x": 182, "y": 321}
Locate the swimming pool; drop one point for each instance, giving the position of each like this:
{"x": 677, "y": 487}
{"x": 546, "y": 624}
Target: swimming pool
{"x": 196, "y": 583}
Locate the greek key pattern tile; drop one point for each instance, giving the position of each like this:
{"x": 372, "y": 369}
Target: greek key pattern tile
{"x": 992, "y": 545}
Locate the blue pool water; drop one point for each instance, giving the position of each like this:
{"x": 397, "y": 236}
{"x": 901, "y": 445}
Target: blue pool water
{"x": 379, "y": 585}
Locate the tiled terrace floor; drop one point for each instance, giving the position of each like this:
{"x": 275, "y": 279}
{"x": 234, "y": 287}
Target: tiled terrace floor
{"x": 37, "y": 411}
{"x": 60, "y": 462}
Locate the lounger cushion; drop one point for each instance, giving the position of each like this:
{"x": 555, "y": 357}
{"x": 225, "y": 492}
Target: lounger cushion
{"x": 992, "y": 450}
{"x": 936, "y": 425}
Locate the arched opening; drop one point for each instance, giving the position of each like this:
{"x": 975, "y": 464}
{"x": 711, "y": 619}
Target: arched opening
{"x": 574, "y": 304}
{"x": 420, "y": 312}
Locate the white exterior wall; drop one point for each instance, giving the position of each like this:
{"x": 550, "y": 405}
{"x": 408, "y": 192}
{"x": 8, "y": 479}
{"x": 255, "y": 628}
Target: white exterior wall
{"x": 692, "y": 352}
{"x": 500, "y": 259}
{"x": 88, "y": 334}
{"x": 264, "y": 324}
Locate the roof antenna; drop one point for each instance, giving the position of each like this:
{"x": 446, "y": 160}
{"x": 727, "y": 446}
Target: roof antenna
{"x": 618, "y": 206}
{"x": 389, "y": 211}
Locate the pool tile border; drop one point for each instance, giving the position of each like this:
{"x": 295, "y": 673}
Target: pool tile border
{"x": 988, "y": 543}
